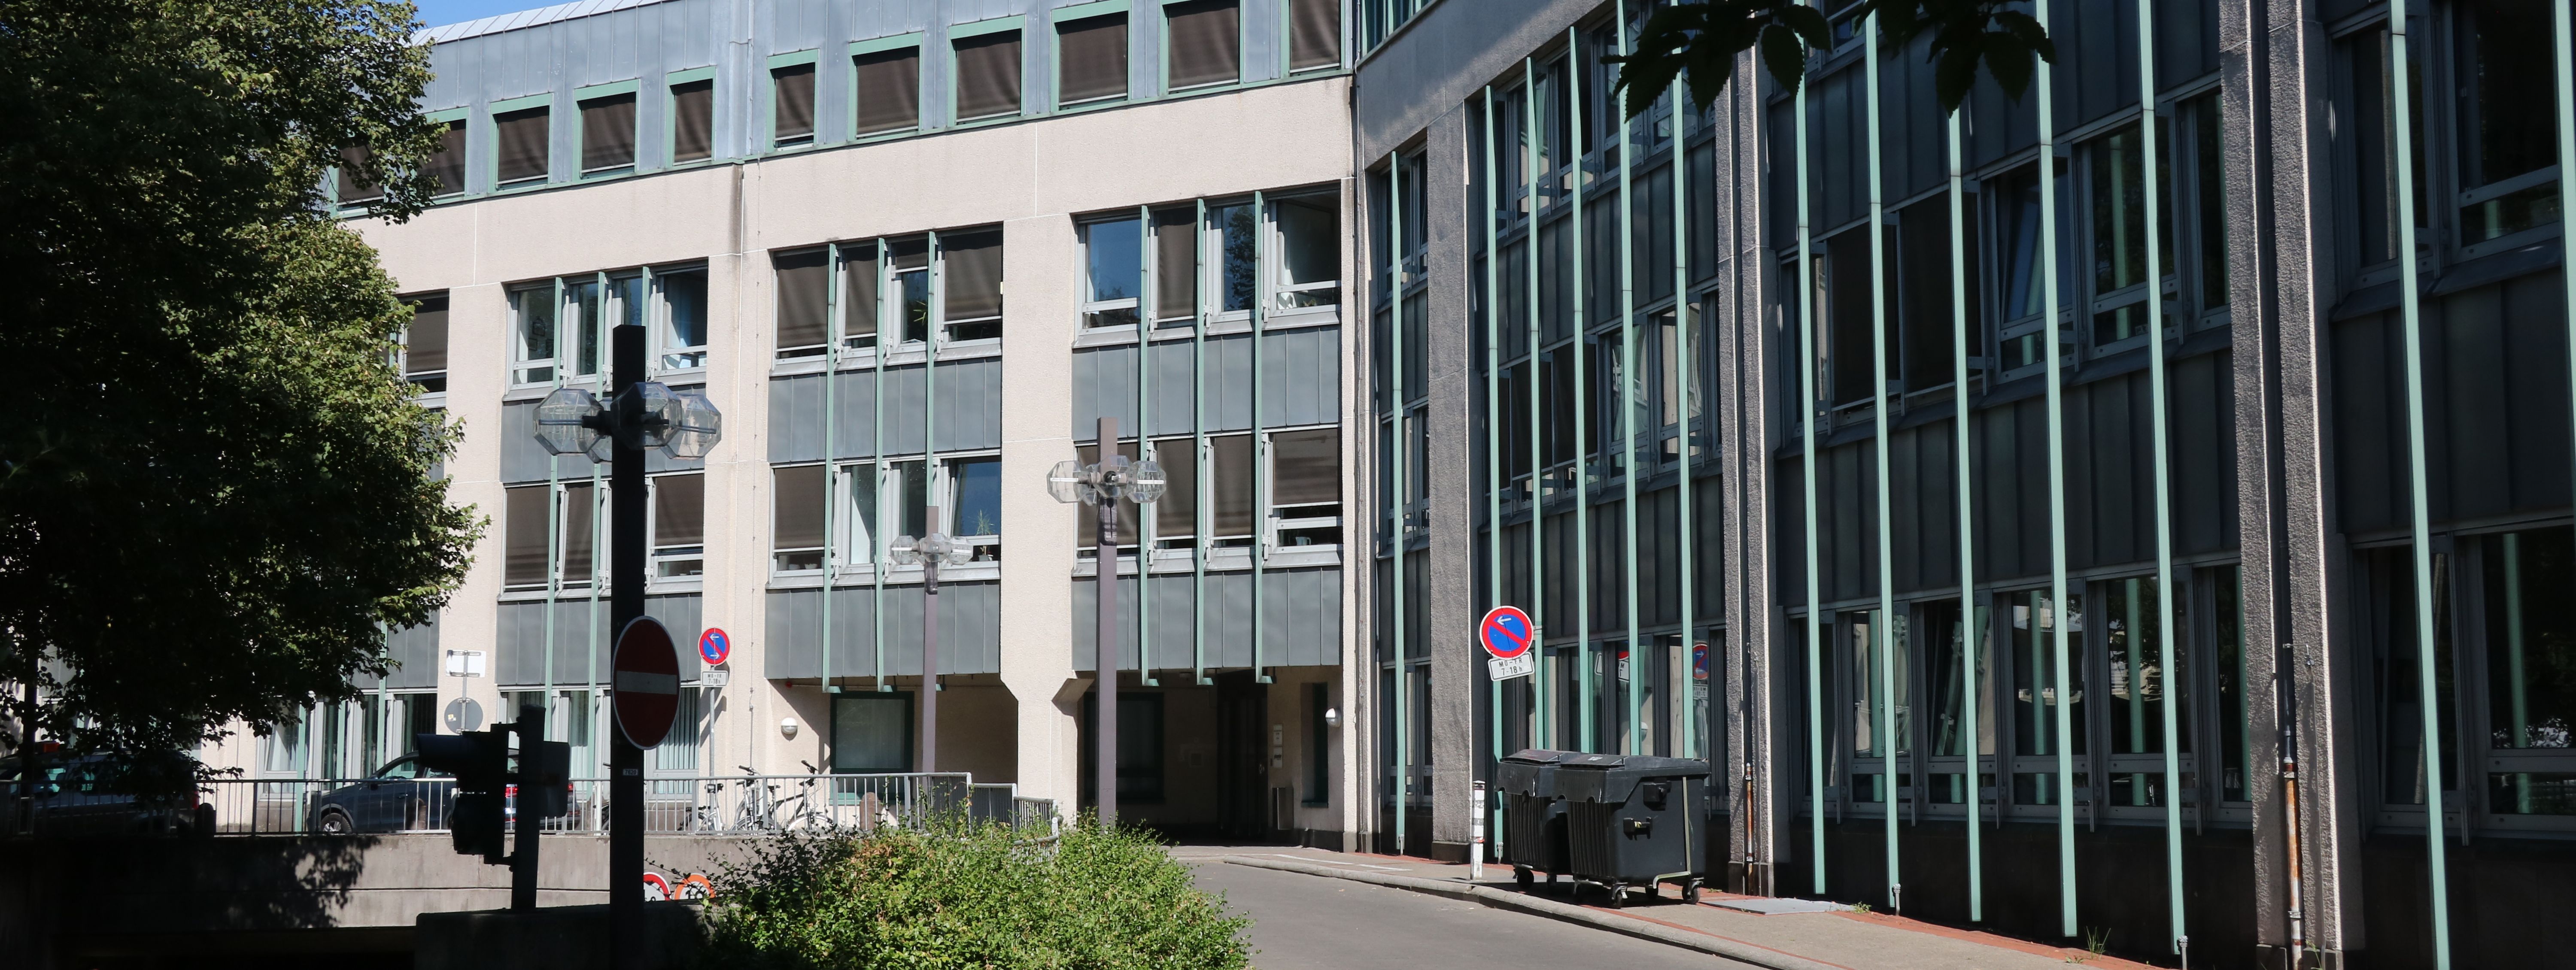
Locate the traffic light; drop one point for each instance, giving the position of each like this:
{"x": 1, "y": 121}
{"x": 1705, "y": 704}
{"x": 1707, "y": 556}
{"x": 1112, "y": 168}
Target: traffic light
{"x": 480, "y": 760}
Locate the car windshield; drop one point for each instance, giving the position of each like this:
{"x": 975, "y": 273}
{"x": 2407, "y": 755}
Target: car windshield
{"x": 403, "y": 768}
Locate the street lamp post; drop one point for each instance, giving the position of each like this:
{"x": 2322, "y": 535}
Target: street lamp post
{"x": 640, "y": 415}
{"x": 1100, "y": 484}
{"x": 929, "y": 552}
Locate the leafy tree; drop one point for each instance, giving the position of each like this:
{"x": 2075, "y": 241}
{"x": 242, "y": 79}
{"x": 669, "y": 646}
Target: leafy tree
{"x": 1703, "y": 38}
{"x": 215, "y": 489}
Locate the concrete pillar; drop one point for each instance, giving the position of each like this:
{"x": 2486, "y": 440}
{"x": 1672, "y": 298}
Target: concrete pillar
{"x": 1449, "y": 590}
{"x": 1744, "y": 434}
{"x": 2275, "y": 64}
{"x": 1037, "y": 629}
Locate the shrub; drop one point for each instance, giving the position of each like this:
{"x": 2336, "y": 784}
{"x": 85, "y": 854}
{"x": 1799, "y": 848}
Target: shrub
{"x": 967, "y": 895}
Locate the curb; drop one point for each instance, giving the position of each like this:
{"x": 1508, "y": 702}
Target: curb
{"x": 1638, "y": 927}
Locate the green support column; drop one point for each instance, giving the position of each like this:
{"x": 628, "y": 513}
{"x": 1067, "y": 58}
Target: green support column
{"x": 2163, "y": 462}
{"x": 877, "y": 471}
{"x": 2562, "y": 37}
{"x": 1804, "y": 280}
{"x": 2056, "y": 492}
{"x": 1198, "y": 456}
{"x": 1144, "y": 403}
{"x": 1587, "y": 700}
{"x": 1399, "y": 453}
{"x": 2411, "y": 299}
{"x": 1885, "y": 633}
{"x": 554, "y": 510}
{"x": 1541, "y": 691}
{"x": 837, "y": 328}
{"x": 1970, "y": 638}
{"x": 1628, "y": 402}
{"x": 1493, "y": 453}
{"x": 1682, "y": 324}
{"x": 1260, "y": 439}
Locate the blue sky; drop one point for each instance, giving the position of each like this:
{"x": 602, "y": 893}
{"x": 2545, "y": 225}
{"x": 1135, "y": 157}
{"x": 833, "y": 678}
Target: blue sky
{"x": 437, "y": 13}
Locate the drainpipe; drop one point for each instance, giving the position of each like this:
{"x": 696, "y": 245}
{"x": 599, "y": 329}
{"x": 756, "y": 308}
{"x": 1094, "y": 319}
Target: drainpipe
{"x": 2286, "y": 690}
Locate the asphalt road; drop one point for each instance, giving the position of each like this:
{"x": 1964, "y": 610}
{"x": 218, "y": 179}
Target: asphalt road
{"x": 1301, "y": 922}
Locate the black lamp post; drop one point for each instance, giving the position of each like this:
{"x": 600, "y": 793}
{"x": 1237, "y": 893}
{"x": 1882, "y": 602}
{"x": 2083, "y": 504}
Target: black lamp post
{"x": 639, "y": 415}
{"x": 1100, "y": 484}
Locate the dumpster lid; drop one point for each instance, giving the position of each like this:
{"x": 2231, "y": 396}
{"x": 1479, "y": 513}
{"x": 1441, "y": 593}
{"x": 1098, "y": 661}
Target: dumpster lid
{"x": 1542, "y": 756}
{"x": 1639, "y": 764}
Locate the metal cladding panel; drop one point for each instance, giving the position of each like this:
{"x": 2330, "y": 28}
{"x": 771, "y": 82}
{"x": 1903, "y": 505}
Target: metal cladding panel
{"x": 796, "y": 429}
{"x": 1170, "y": 372}
{"x": 522, "y": 459}
{"x": 1916, "y": 131}
{"x": 1086, "y": 610}
{"x": 1229, "y": 362}
{"x": 1264, "y": 51}
{"x": 415, "y": 655}
{"x": 1104, "y": 382}
{"x": 1229, "y": 619}
{"x": 1304, "y": 617}
{"x": 1608, "y": 567}
{"x": 1301, "y": 374}
{"x": 521, "y": 644}
{"x": 2495, "y": 393}
{"x": 1303, "y": 625}
{"x": 970, "y": 623}
{"x": 794, "y": 635}
{"x": 969, "y": 631}
{"x": 2203, "y": 435}
{"x": 905, "y": 397}
{"x": 1174, "y": 627}
{"x": 970, "y": 404}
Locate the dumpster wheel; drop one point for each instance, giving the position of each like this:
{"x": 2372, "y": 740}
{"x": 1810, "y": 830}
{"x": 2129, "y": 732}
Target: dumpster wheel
{"x": 1690, "y": 892}
{"x": 1618, "y": 894}
{"x": 1521, "y": 875}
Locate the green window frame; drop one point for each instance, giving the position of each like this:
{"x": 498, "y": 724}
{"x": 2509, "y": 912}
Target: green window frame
{"x": 1061, "y": 16}
{"x": 956, "y": 77}
{"x": 459, "y": 118}
{"x": 492, "y": 145}
{"x": 1240, "y": 45}
{"x": 877, "y": 46}
{"x": 769, "y": 102}
{"x": 581, "y": 100}
{"x": 671, "y": 82}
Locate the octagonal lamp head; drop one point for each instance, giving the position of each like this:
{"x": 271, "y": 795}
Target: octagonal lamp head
{"x": 905, "y": 551}
{"x": 1145, "y": 481}
{"x": 660, "y": 414}
{"x": 1068, "y": 483}
{"x": 697, "y": 428}
{"x": 563, "y": 425}
{"x": 960, "y": 554}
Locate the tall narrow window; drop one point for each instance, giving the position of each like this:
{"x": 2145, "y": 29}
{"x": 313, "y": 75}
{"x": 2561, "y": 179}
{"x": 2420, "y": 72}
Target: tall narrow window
{"x": 792, "y": 105}
{"x": 911, "y": 266}
{"x": 1319, "y": 743}
{"x": 2509, "y": 120}
{"x": 424, "y": 357}
{"x": 975, "y": 497}
{"x": 1849, "y": 316}
{"x": 1924, "y": 300}
{"x": 1205, "y": 41}
{"x": 1234, "y": 231}
{"x": 1231, "y": 487}
{"x": 872, "y": 733}
{"x": 889, "y": 90}
{"x": 524, "y": 545}
{"x": 1314, "y": 34}
{"x": 1091, "y": 61}
{"x": 523, "y": 151}
{"x": 1176, "y": 522}
{"x": 796, "y": 518}
{"x": 447, "y": 162}
{"x": 803, "y": 329}
{"x": 1306, "y": 486}
{"x": 608, "y": 134}
{"x": 575, "y": 565}
{"x": 680, "y": 335}
{"x": 859, "y": 310}
{"x": 679, "y": 524}
{"x": 1176, "y": 265}
{"x": 532, "y": 334}
{"x": 1087, "y": 535}
{"x": 355, "y": 187}
{"x": 587, "y": 329}
{"x": 2531, "y": 672}
{"x": 2120, "y": 234}
{"x": 1111, "y": 272}
{"x": 2018, "y": 283}
{"x": 988, "y": 75}
{"x": 693, "y": 121}
{"x": 2406, "y": 776}
{"x": 1309, "y": 264}
{"x": 971, "y": 280}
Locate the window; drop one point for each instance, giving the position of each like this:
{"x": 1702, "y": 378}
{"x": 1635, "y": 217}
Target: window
{"x": 608, "y": 134}
{"x": 578, "y": 514}
{"x": 2019, "y": 287}
{"x": 1926, "y": 314}
{"x": 355, "y": 188}
{"x": 1948, "y": 642}
{"x": 693, "y": 121}
{"x": 971, "y": 278}
{"x": 2035, "y": 695}
{"x": 1231, "y": 489}
{"x": 975, "y": 504}
{"x": 2530, "y": 661}
{"x": 1205, "y": 41}
{"x": 680, "y": 324}
{"x": 796, "y": 518}
{"x": 1112, "y": 271}
{"x": 1140, "y": 748}
{"x": 679, "y": 524}
{"x": 803, "y": 292}
{"x": 872, "y": 733}
{"x": 909, "y": 261}
{"x": 2508, "y": 140}
{"x": 424, "y": 344}
{"x": 2140, "y": 682}
{"x": 988, "y": 75}
{"x": 551, "y": 535}
{"x": 1176, "y": 266}
{"x": 1232, "y": 231}
{"x": 859, "y": 310}
{"x": 446, "y": 165}
{"x": 282, "y": 752}
{"x": 1844, "y": 301}
{"x": 1091, "y": 60}
{"x": 1306, "y": 486}
{"x": 522, "y": 154}
{"x": 1319, "y": 745}
{"x": 1176, "y": 522}
{"x": 532, "y": 333}
{"x": 889, "y": 91}
{"x": 525, "y": 540}
{"x": 2119, "y": 230}
{"x": 791, "y": 102}
{"x": 1314, "y": 34}
{"x": 1087, "y": 538}
{"x": 1308, "y": 271}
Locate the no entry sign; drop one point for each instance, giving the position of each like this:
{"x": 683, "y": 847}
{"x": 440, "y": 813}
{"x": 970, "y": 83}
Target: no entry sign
{"x": 646, "y": 690}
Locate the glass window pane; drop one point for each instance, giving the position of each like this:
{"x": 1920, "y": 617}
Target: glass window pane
{"x": 1176, "y": 264}
{"x": 522, "y": 153}
{"x": 684, "y": 318}
{"x": 577, "y": 564}
{"x": 988, "y": 75}
{"x": 1205, "y": 43}
{"x": 912, "y": 480}
{"x": 1948, "y": 641}
{"x": 1314, "y": 34}
{"x": 971, "y": 278}
{"x": 2140, "y": 679}
{"x": 354, "y": 188}
{"x": 889, "y": 90}
{"x": 1238, "y": 249}
{"x": 1232, "y": 485}
{"x": 803, "y": 290}
{"x": 2508, "y": 68}
{"x": 588, "y": 329}
{"x": 425, "y": 341}
{"x": 608, "y": 133}
{"x": 859, "y": 483}
{"x": 2036, "y": 674}
{"x": 1112, "y": 271}
{"x": 2531, "y": 639}
{"x": 872, "y": 733}
{"x": 797, "y": 510}
{"x": 1088, "y": 535}
{"x": 2233, "y": 753}
{"x": 447, "y": 164}
{"x": 2213, "y": 209}
{"x": 524, "y": 545}
{"x": 859, "y": 308}
{"x": 2389, "y": 575}
{"x": 2017, "y": 218}
{"x": 1306, "y": 467}
{"x": 679, "y": 511}
{"x": 1310, "y": 252}
{"x": 792, "y": 104}
{"x": 693, "y": 110}
{"x": 1177, "y": 513}
{"x": 1092, "y": 59}
{"x": 976, "y": 484}
{"x": 532, "y": 332}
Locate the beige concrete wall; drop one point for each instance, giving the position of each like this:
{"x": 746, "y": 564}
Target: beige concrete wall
{"x": 1034, "y": 178}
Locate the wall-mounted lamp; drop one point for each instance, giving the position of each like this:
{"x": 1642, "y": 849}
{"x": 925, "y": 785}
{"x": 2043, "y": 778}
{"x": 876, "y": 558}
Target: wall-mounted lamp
{"x": 787, "y": 726}
{"x": 1332, "y": 717}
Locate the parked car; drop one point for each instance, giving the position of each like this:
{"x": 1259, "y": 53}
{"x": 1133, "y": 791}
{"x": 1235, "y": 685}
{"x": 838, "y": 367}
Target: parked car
{"x": 400, "y": 797}
{"x": 103, "y": 794}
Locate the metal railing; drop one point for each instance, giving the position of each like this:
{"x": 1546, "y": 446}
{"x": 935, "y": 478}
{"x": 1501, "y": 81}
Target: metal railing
{"x": 747, "y": 804}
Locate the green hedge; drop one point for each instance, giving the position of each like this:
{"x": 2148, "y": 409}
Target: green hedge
{"x": 964, "y": 895}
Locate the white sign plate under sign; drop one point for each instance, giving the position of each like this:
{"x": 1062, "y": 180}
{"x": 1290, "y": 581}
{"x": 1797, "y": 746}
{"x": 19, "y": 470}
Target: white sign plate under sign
{"x": 714, "y": 677}
{"x": 1506, "y": 668}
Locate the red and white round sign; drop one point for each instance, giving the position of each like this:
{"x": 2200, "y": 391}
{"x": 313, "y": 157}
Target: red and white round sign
{"x": 646, "y": 690}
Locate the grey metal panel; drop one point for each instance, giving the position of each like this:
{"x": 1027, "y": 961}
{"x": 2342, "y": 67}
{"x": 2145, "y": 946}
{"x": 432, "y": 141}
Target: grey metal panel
{"x": 854, "y": 434}
{"x": 1230, "y": 382}
{"x": 905, "y": 397}
{"x": 1170, "y": 372}
{"x": 795, "y": 419}
{"x": 970, "y": 622}
{"x": 582, "y": 637}
{"x": 1104, "y": 381}
{"x": 1174, "y": 625}
{"x": 1303, "y": 617}
{"x": 970, "y": 404}
{"x": 522, "y": 459}
{"x": 793, "y": 637}
{"x": 1086, "y": 600}
{"x": 1301, "y": 376}
{"x": 414, "y": 652}
{"x": 1229, "y": 619}
{"x": 970, "y": 617}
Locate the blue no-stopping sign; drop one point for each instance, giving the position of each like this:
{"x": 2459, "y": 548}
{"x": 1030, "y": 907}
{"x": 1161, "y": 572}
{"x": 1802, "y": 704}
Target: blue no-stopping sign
{"x": 1505, "y": 632}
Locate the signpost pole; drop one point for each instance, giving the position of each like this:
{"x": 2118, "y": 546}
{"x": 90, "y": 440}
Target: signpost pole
{"x": 625, "y": 604}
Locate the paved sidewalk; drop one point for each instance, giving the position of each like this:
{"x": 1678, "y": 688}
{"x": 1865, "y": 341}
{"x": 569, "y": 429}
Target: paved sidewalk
{"x": 1835, "y": 938}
